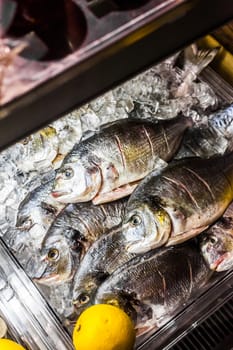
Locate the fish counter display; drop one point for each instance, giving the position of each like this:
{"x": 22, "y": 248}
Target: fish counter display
{"x": 127, "y": 200}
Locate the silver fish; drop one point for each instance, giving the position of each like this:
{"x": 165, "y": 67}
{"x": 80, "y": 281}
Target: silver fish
{"x": 217, "y": 243}
{"x": 73, "y": 232}
{"x": 105, "y": 256}
{"x": 37, "y": 212}
{"x": 222, "y": 122}
{"x": 109, "y": 164}
{"x": 178, "y": 203}
{"x": 151, "y": 288}
{"x": 40, "y": 150}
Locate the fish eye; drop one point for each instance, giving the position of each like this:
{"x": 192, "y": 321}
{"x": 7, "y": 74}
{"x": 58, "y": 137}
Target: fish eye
{"x": 68, "y": 173}
{"x": 213, "y": 240}
{"x": 53, "y": 254}
{"x": 77, "y": 245}
{"x": 26, "y": 140}
{"x": 26, "y": 223}
{"x": 49, "y": 209}
{"x": 83, "y": 298}
{"x": 135, "y": 220}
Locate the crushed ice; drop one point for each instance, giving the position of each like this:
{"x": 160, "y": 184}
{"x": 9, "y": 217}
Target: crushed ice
{"x": 24, "y": 165}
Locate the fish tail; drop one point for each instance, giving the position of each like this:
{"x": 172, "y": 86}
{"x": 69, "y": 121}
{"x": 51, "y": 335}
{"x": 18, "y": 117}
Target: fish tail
{"x": 197, "y": 60}
{"x": 194, "y": 62}
{"x": 222, "y": 121}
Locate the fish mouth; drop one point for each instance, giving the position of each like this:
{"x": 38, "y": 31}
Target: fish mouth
{"x": 57, "y": 194}
{"x": 47, "y": 280}
{"x": 139, "y": 247}
{"x": 41, "y": 273}
{"x": 75, "y": 302}
{"x": 23, "y": 228}
{"x": 218, "y": 264}
{"x": 53, "y": 278}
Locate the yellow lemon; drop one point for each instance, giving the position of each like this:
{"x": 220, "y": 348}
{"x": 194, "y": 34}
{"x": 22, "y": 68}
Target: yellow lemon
{"x": 104, "y": 327}
{"x": 6, "y": 344}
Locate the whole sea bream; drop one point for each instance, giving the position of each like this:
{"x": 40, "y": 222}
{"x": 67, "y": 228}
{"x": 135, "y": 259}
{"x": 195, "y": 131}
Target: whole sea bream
{"x": 177, "y": 203}
{"x": 70, "y": 236}
{"x": 152, "y": 287}
{"x": 102, "y": 259}
{"x": 109, "y": 164}
{"x": 36, "y": 213}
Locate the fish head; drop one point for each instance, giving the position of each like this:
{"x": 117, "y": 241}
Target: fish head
{"x": 146, "y": 227}
{"x": 24, "y": 220}
{"x": 75, "y": 182}
{"x": 35, "y": 220}
{"x": 84, "y": 291}
{"x": 102, "y": 258}
{"x": 217, "y": 245}
{"x": 29, "y": 216}
{"x": 59, "y": 257}
{"x": 40, "y": 149}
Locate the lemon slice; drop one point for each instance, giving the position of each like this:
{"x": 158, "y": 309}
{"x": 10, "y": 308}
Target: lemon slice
{"x": 3, "y": 328}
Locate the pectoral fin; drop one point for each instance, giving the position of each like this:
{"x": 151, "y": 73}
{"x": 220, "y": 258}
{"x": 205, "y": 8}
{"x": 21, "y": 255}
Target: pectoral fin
{"x": 159, "y": 165}
{"x": 185, "y": 236}
{"x": 118, "y": 193}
